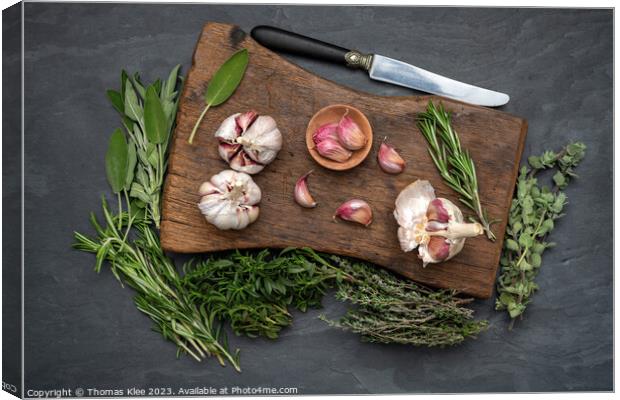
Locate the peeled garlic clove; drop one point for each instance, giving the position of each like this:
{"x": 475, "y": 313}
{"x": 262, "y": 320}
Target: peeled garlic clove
{"x": 433, "y": 225}
{"x": 350, "y": 134}
{"x": 247, "y": 136}
{"x": 355, "y": 210}
{"x": 333, "y": 150}
{"x": 389, "y": 160}
{"x": 302, "y": 194}
{"x": 326, "y": 131}
{"x": 229, "y": 200}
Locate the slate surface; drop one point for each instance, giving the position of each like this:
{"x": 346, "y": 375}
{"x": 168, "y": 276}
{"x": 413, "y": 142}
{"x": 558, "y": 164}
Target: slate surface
{"x": 82, "y": 329}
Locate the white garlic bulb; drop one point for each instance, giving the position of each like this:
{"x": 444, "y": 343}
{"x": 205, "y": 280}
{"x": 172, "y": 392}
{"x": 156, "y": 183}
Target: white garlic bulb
{"x": 248, "y": 142}
{"x": 229, "y": 200}
{"x": 433, "y": 225}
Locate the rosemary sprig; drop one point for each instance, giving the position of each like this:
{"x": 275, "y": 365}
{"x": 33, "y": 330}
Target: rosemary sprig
{"x": 533, "y": 212}
{"x": 142, "y": 265}
{"x": 454, "y": 163}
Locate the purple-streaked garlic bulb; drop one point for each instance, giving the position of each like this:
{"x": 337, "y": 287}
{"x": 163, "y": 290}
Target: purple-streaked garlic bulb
{"x": 434, "y": 225}
{"x": 248, "y": 142}
{"x": 229, "y": 200}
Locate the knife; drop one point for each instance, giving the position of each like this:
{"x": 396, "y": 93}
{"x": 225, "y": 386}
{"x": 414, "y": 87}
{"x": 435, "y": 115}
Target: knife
{"x": 379, "y": 67}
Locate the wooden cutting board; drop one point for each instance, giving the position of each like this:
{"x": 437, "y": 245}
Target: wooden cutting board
{"x": 291, "y": 95}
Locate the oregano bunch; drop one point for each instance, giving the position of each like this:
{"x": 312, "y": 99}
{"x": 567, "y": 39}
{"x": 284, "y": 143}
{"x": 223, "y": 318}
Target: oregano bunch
{"x": 533, "y": 213}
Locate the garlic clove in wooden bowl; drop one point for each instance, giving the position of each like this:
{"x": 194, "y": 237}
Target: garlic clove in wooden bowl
{"x": 333, "y": 114}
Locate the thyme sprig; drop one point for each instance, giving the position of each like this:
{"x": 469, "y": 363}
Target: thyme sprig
{"x": 392, "y": 310}
{"x": 454, "y": 163}
{"x": 532, "y": 216}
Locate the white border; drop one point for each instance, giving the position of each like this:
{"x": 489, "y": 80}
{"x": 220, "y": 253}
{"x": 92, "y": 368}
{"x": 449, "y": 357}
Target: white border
{"x": 477, "y": 3}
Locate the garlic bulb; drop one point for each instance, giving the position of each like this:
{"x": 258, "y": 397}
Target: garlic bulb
{"x": 248, "y": 142}
{"x": 229, "y": 200}
{"x": 433, "y": 225}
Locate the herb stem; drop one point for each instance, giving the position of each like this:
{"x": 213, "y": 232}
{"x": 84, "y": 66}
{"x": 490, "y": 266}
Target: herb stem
{"x": 202, "y": 115}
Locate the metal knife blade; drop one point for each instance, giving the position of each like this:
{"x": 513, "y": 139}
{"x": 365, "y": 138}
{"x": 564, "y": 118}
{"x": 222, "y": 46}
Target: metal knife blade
{"x": 388, "y": 70}
{"x": 380, "y": 68}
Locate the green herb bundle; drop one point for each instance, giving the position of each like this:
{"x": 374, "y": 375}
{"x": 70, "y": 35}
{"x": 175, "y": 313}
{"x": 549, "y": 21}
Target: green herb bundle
{"x": 253, "y": 291}
{"x": 533, "y": 212}
{"x": 142, "y": 265}
{"x": 453, "y": 162}
{"x": 392, "y": 310}
{"x": 148, "y": 117}
{"x": 135, "y": 165}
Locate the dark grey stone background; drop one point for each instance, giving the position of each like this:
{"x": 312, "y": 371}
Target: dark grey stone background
{"x": 82, "y": 329}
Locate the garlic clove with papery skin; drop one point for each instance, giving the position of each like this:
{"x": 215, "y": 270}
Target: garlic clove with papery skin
{"x": 355, "y": 210}
{"x": 389, "y": 159}
{"x": 433, "y": 225}
{"x": 248, "y": 142}
{"x": 302, "y": 193}
{"x": 324, "y": 132}
{"x": 349, "y": 133}
{"x": 229, "y": 200}
{"x": 333, "y": 150}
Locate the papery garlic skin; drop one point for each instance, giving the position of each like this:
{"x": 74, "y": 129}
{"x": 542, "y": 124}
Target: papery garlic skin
{"x": 433, "y": 225}
{"x": 229, "y": 200}
{"x": 324, "y": 132}
{"x": 333, "y": 150}
{"x": 389, "y": 159}
{"x": 349, "y": 133}
{"x": 248, "y": 142}
{"x": 302, "y": 193}
{"x": 355, "y": 210}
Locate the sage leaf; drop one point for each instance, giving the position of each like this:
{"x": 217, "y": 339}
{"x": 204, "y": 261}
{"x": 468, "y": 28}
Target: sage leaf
{"x": 155, "y": 122}
{"x": 132, "y": 107}
{"x": 117, "y": 101}
{"x": 227, "y": 78}
{"x": 132, "y": 159}
{"x": 223, "y": 84}
{"x": 116, "y": 161}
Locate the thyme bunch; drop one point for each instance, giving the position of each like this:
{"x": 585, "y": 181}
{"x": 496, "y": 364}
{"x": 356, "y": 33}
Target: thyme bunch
{"x": 393, "y": 310}
{"x": 532, "y": 216}
{"x": 455, "y": 165}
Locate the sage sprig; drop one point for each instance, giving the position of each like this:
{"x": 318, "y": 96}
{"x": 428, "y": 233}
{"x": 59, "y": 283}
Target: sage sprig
{"x": 223, "y": 84}
{"x": 148, "y": 115}
{"x": 454, "y": 163}
{"x": 532, "y": 216}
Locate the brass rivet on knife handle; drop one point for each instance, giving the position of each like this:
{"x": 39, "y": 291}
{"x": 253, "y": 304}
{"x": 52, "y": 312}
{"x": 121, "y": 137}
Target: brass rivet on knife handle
{"x": 355, "y": 59}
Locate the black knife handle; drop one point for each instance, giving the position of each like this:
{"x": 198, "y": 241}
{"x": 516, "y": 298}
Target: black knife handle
{"x": 293, "y": 43}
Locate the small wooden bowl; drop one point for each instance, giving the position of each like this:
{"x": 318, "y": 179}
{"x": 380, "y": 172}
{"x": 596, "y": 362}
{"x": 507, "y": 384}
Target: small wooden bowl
{"x": 333, "y": 113}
